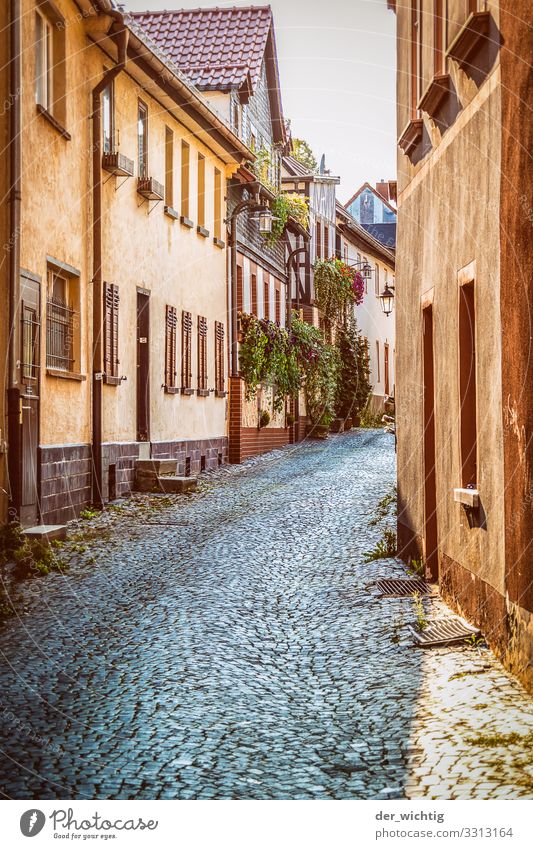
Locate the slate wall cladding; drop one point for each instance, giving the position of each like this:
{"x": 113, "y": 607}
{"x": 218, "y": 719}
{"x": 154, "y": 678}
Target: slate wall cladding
{"x": 213, "y": 451}
{"x": 65, "y": 482}
{"x": 122, "y": 456}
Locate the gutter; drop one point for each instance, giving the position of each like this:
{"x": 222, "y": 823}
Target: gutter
{"x": 97, "y": 358}
{"x": 15, "y": 203}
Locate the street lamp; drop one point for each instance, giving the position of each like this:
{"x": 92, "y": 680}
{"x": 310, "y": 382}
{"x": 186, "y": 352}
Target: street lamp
{"x": 387, "y": 300}
{"x": 264, "y": 222}
{"x": 367, "y": 270}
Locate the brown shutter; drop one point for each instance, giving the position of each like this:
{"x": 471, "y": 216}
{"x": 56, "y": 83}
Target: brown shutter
{"x": 186, "y": 343}
{"x": 202, "y": 354}
{"x": 326, "y": 241}
{"x": 240, "y": 284}
{"x": 111, "y": 302}
{"x": 253, "y": 298}
{"x": 170, "y": 347}
{"x": 278, "y": 304}
{"x": 219, "y": 357}
{"x": 266, "y": 286}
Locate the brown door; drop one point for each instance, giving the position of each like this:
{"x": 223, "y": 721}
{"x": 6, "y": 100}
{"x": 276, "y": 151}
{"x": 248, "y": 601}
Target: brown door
{"x": 143, "y": 366}
{"x": 430, "y": 490}
{"x": 29, "y": 401}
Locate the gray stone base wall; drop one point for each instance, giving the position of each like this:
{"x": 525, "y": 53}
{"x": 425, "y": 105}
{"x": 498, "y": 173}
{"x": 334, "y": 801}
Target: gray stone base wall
{"x": 118, "y": 469}
{"x": 193, "y": 455}
{"x": 65, "y": 482}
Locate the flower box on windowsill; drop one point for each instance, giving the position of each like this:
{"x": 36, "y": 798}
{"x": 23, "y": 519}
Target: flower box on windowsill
{"x": 220, "y": 393}
{"x": 53, "y": 121}
{"x": 436, "y": 92}
{"x": 187, "y": 390}
{"x": 202, "y": 393}
{"x": 218, "y": 242}
{"x": 202, "y": 231}
{"x": 467, "y": 497}
{"x": 118, "y": 164}
{"x": 187, "y": 222}
{"x": 411, "y": 136}
{"x": 150, "y": 188}
{"x": 172, "y": 213}
{"x": 111, "y": 379}
{"x": 172, "y": 390}
{"x": 65, "y": 375}
{"x": 470, "y": 38}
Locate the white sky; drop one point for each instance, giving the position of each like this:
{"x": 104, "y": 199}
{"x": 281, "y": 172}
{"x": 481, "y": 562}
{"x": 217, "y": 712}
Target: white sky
{"x": 337, "y": 62}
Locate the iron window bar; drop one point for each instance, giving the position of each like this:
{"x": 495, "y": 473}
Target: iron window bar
{"x": 59, "y": 334}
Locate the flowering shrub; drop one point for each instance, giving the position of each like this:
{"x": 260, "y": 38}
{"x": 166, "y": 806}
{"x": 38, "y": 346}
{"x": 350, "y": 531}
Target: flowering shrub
{"x": 288, "y": 205}
{"x": 266, "y": 355}
{"x": 336, "y": 286}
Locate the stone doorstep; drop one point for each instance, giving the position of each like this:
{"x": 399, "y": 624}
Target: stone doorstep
{"x": 156, "y": 467}
{"x": 173, "y": 483}
{"x": 46, "y": 533}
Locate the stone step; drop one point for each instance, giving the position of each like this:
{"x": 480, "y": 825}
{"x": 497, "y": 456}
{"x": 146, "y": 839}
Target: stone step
{"x": 46, "y": 533}
{"x": 173, "y": 483}
{"x": 156, "y": 467}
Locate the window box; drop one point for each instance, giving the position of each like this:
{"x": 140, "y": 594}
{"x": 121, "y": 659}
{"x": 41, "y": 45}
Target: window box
{"x": 219, "y": 243}
{"x": 187, "y": 222}
{"x": 187, "y": 390}
{"x": 469, "y": 38}
{"x": 53, "y": 121}
{"x": 202, "y": 232}
{"x": 65, "y": 375}
{"x": 436, "y": 92}
{"x": 150, "y": 189}
{"x": 202, "y": 393}
{"x": 466, "y": 497}
{"x": 172, "y": 390}
{"x": 172, "y": 213}
{"x": 118, "y": 164}
{"x": 219, "y": 393}
{"x": 411, "y": 135}
{"x": 111, "y": 380}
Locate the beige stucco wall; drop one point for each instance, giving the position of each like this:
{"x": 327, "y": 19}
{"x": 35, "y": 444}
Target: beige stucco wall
{"x": 55, "y": 216}
{"x": 143, "y": 247}
{"x": 5, "y": 245}
{"x": 449, "y": 218}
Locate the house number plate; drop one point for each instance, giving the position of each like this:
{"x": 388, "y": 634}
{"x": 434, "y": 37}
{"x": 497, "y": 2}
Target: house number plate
{"x": 143, "y": 340}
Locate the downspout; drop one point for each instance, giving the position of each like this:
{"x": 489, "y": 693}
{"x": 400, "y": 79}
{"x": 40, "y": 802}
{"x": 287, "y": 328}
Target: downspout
{"x": 15, "y": 198}
{"x": 97, "y": 359}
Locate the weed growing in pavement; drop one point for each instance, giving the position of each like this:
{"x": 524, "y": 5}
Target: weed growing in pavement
{"x": 416, "y": 568}
{"x": 383, "y": 506}
{"x": 89, "y": 513}
{"x": 385, "y": 547}
{"x": 30, "y": 557}
{"x": 490, "y": 741}
{"x": 420, "y": 613}
{"x": 475, "y": 641}
{"x": 469, "y": 672}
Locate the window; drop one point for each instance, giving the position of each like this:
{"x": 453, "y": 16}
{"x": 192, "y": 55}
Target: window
{"x": 376, "y": 280}
{"x": 142, "y": 139}
{"x": 378, "y": 372}
{"x": 201, "y": 190}
{"x": 439, "y": 38}
{"x": 266, "y": 296}
{"x": 202, "y": 355}
{"x": 236, "y": 117}
{"x": 61, "y": 313}
{"x": 219, "y": 358}
{"x": 171, "y": 322}
{"x": 218, "y": 205}
{"x": 467, "y": 384}
{"x": 30, "y": 341}
{"x": 318, "y": 240}
{"x": 43, "y": 61}
{"x": 345, "y": 252}
{"x": 415, "y": 57}
{"x": 185, "y": 178}
{"x": 253, "y": 287}
{"x": 240, "y": 288}
{"x": 111, "y": 304}
{"x": 108, "y": 118}
{"x": 186, "y": 352}
{"x": 169, "y": 167}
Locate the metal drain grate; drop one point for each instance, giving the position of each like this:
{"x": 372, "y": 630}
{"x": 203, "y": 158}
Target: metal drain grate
{"x": 402, "y": 587}
{"x": 442, "y": 632}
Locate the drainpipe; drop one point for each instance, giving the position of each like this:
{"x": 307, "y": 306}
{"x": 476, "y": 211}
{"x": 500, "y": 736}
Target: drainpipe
{"x": 15, "y": 197}
{"x": 97, "y": 363}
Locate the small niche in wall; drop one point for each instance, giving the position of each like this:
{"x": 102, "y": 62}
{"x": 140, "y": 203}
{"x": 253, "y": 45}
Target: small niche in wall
{"x": 187, "y": 467}
{"x": 112, "y": 482}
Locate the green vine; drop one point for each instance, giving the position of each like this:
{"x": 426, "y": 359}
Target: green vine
{"x": 334, "y": 288}
{"x": 288, "y": 205}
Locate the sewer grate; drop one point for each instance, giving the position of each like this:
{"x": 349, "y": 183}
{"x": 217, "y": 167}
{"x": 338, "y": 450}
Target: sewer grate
{"x": 441, "y": 632}
{"x": 402, "y": 587}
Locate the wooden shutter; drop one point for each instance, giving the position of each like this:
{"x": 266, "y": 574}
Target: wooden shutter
{"x": 219, "y": 357}
{"x": 171, "y": 323}
{"x": 278, "y": 305}
{"x": 266, "y": 286}
{"x": 240, "y": 287}
{"x": 202, "y": 354}
{"x": 253, "y": 298}
{"x": 326, "y": 241}
{"x": 186, "y": 350}
{"x": 111, "y": 302}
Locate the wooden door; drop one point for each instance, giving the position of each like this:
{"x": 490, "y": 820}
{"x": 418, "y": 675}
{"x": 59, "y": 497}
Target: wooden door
{"x": 143, "y": 366}
{"x": 430, "y": 488}
{"x": 29, "y": 401}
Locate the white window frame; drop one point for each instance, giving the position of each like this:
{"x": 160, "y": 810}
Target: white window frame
{"x": 43, "y": 61}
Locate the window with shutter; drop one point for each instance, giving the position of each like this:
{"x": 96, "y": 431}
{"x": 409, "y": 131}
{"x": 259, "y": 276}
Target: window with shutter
{"x": 278, "y": 305}
{"x": 253, "y": 286}
{"x": 186, "y": 353}
{"x": 240, "y": 288}
{"x": 202, "y": 356}
{"x": 111, "y": 360}
{"x": 219, "y": 359}
{"x": 266, "y": 292}
{"x": 171, "y": 322}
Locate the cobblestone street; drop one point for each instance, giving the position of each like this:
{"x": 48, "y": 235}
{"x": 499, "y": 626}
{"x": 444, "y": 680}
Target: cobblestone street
{"x": 231, "y": 644}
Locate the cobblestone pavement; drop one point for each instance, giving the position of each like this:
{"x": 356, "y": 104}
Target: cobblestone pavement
{"x": 231, "y": 645}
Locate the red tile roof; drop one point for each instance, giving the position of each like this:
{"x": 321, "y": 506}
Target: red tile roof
{"x": 217, "y": 49}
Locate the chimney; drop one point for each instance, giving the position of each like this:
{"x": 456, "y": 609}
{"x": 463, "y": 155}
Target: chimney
{"x": 383, "y": 189}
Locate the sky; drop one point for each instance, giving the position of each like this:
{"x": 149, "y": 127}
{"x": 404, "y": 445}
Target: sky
{"x": 337, "y": 63}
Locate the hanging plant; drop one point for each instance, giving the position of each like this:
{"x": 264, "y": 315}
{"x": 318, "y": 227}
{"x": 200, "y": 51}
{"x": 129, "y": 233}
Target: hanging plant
{"x": 287, "y": 205}
{"x": 336, "y": 286}
{"x": 266, "y": 356}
